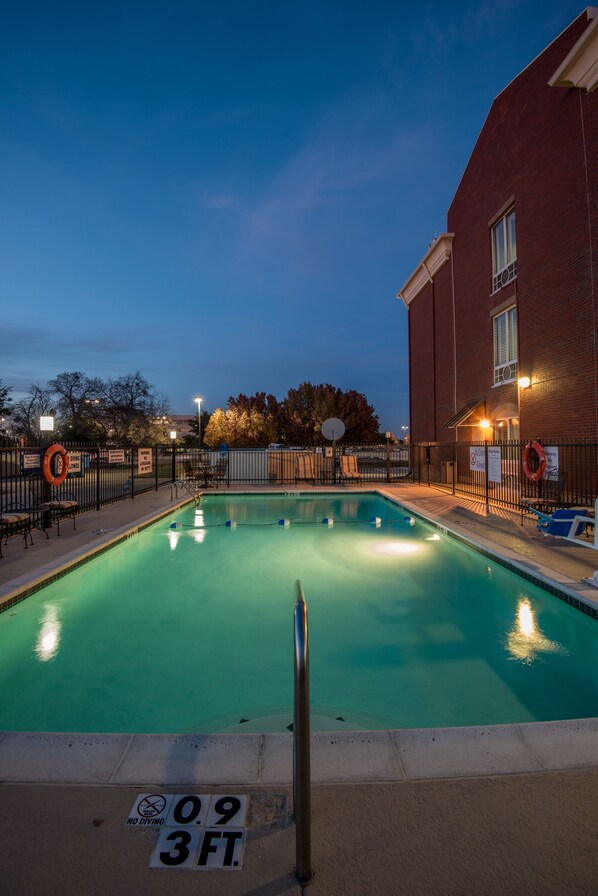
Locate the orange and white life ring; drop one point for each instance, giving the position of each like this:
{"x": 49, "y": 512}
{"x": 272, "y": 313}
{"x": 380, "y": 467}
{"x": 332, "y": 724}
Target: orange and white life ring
{"x": 51, "y": 453}
{"x": 536, "y": 475}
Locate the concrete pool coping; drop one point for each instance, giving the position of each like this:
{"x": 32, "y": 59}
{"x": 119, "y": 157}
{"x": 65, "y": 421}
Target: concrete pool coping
{"x": 266, "y": 759}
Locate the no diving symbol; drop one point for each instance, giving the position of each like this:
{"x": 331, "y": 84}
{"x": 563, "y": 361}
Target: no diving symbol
{"x": 151, "y": 805}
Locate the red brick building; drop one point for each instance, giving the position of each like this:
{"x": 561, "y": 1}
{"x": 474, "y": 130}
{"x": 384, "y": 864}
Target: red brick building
{"x": 511, "y": 290}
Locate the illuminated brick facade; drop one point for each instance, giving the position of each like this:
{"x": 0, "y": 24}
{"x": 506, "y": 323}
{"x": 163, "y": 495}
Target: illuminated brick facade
{"x": 537, "y": 155}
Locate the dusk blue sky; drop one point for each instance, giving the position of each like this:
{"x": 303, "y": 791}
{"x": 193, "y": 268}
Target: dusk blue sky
{"x": 227, "y": 197}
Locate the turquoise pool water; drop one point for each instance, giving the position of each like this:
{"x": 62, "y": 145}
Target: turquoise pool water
{"x": 191, "y": 629}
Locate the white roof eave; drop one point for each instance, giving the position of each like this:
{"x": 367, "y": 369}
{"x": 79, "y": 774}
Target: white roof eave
{"x": 436, "y": 256}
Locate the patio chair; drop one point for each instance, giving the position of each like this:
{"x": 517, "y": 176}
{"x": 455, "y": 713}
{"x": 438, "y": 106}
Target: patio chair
{"x": 56, "y": 504}
{"x": 217, "y": 473}
{"x": 15, "y": 520}
{"x": 59, "y": 507}
{"x": 304, "y": 468}
{"x": 349, "y": 469}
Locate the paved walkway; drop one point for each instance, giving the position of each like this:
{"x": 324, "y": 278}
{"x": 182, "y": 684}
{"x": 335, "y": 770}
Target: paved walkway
{"x": 509, "y": 810}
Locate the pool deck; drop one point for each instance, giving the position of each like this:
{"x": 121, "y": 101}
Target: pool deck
{"x": 511, "y": 809}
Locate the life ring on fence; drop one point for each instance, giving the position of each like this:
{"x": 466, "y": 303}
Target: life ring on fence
{"x": 539, "y": 473}
{"x": 49, "y": 476}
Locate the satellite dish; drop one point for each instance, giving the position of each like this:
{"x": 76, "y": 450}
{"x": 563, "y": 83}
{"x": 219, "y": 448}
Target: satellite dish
{"x": 333, "y": 429}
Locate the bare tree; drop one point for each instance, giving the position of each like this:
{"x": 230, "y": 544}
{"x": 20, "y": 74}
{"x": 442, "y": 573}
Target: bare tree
{"x": 26, "y": 413}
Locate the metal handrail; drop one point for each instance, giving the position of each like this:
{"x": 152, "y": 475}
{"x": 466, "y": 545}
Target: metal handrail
{"x": 301, "y": 741}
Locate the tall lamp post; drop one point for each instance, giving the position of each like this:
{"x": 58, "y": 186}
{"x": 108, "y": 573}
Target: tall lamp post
{"x": 198, "y": 400}
{"x": 46, "y": 425}
{"x": 173, "y": 443}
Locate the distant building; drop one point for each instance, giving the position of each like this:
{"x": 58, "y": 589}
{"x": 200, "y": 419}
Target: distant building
{"x": 510, "y": 291}
{"x": 182, "y": 423}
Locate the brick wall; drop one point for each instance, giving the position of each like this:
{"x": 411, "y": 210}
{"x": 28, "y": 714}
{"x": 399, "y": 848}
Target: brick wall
{"x": 539, "y": 145}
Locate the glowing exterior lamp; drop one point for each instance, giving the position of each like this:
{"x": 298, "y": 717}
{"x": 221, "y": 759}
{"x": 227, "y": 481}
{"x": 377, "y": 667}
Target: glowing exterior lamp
{"x": 485, "y": 424}
{"x": 198, "y": 400}
{"x": 524, "y": 382}
{"x": 46, "y": 424}
{"x": 173, "y": 434}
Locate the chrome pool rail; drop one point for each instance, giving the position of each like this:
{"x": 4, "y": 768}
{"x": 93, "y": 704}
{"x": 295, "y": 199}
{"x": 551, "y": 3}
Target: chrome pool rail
{"x": 301, "y": 740}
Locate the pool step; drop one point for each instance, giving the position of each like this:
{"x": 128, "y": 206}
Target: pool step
{"x": 284, "y": 724}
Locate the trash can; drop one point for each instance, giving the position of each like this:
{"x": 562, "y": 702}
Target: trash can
{"x": 448, "y": 471}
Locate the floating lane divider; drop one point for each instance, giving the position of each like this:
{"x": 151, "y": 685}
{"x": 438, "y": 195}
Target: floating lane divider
{"x": 328, "y": 521}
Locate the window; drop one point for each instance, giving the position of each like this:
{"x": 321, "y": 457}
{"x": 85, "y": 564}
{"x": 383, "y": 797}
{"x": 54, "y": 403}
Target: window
{"x": 506, "y": 429}
{"x": 505, "y": 346}
{"x": 504, "y": 251}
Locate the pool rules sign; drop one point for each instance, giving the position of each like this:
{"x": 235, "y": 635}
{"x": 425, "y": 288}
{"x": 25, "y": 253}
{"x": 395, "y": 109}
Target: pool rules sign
{"x": 197, "y": 831}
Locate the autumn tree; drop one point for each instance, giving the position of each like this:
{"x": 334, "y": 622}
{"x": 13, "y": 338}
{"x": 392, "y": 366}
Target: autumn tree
{"x": 304, "y": 410}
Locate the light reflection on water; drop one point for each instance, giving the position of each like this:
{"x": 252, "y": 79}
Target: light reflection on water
{"x": 526, "y": 641}
{"x": 48, "y": 639}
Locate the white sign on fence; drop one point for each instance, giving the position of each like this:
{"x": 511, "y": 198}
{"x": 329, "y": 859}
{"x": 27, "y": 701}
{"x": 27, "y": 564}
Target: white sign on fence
{"x": 144, "y": 460}
{"x": 552, "y": 462}
{"x": 494, "y": 463}
{"x": 31, "y": 460}
{"x": 477, "y": 459}
{"x": 74, "y": 461}
{"x": 116, "y": 456}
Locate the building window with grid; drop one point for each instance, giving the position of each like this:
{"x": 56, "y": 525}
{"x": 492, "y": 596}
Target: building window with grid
{"x": 504, "y": 251}
{"x": 505, "y": 346}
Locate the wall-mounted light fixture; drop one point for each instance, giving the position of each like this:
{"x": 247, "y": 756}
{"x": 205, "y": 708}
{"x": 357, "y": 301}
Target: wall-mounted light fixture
{"x": 523, "y": 382}
{"x": 485, "y": 424}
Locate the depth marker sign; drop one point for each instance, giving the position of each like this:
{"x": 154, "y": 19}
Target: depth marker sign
{"x": 197, "y": 831}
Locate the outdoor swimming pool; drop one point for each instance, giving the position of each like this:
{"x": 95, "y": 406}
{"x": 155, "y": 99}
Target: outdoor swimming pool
{"x": 190, "y": 629}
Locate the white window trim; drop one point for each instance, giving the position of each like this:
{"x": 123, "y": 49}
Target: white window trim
{"x": 506, "y": 372}
{"x": 505, "y": 275}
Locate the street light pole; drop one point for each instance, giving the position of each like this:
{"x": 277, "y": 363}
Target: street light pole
{"x": 173, "y": 443}
{"x": 198, "y": 401}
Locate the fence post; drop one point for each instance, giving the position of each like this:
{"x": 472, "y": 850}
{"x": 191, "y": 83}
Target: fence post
{"x": 486, "y": 474}
{"x": 156, "y": 458}
{"x": 98, "y": 493}
{"x": 454, "y": 466}
{"x": 132, "y": 471}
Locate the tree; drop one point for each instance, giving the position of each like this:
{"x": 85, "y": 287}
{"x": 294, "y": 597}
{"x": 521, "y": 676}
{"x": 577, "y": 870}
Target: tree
{"x": 78, "y": 400}
{"x": 5, "y": 401}
{"x": 191, "y": 438}
{"x": 130, "y": 409}
{"x": 217, "y": 430}
{"x": 5, "y": 405}
{"x": 304, "y": 410}
{"x": 26, "y": 413}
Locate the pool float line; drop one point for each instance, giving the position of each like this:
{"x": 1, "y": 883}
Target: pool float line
{"x": 375, "y": 521}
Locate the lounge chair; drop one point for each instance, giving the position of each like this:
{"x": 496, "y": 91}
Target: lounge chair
{"x": 304, "y": 468}
{"x": 566, "y": 522}
{"x": 349, "y": 468}
{"x": 550, "y": 499}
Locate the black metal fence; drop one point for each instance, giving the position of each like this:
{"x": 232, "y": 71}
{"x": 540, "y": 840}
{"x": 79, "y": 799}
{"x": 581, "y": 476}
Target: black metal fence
{"x": 487, "y": 471}
{"x": 101, "y": 475}
{"x": 493, "y": 471}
